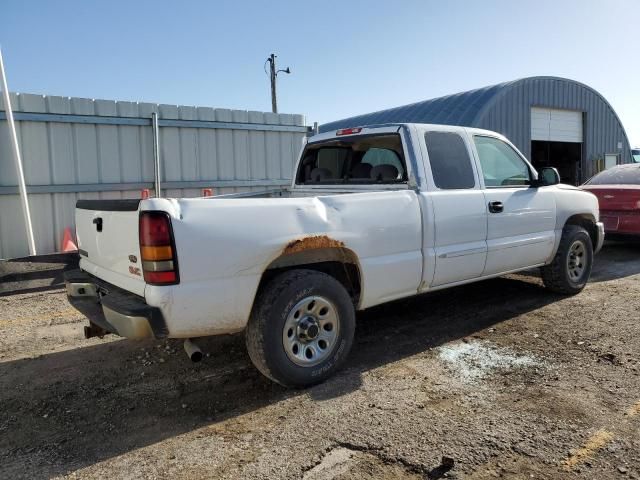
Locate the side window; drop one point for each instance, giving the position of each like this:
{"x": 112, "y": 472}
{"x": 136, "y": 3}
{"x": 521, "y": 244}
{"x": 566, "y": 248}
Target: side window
{"x": 449, "y": 160}
{"x": 501, "y": 165}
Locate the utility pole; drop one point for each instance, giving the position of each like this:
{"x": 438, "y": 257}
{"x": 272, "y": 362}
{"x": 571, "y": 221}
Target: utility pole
{"x": 273, "y": 76}
{"x": 274, "y": 99}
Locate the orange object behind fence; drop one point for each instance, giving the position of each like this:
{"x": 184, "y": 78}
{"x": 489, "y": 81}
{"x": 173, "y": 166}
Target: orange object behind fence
{"x": 68, "y": 245}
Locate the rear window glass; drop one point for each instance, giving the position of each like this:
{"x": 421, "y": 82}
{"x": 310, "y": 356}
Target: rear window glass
{"x": 617, "y": 176}
{"x": 362, "y": 159}
{"x": 449, "y": 160}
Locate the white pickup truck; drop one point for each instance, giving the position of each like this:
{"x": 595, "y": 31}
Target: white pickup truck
{"x": 373, "y": 214}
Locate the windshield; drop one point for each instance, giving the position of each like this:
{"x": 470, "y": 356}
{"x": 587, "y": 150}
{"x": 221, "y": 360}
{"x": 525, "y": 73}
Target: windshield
{"x": 636, "y": 155}
{"x": 617, "y": 176}
{"x": 356, "y": 160}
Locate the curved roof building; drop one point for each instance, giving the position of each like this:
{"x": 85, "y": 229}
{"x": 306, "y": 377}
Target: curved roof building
{"x": 553, "y": 121}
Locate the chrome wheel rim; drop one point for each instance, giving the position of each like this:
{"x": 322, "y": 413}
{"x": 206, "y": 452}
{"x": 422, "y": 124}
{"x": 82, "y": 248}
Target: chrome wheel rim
{"x": 311, "y": 331}
{"x": 576, "y": 260}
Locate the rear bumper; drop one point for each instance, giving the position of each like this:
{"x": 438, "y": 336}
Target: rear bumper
{"x": 112, "y": 309}
{"x": 600, "y": 241}
{"x": 625, "y": 222}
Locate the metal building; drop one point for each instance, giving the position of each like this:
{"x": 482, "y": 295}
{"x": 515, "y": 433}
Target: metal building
{"x": 553, "y": 122}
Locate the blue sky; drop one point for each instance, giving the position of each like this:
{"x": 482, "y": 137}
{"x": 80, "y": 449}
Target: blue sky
{"x": 347, "y": 57}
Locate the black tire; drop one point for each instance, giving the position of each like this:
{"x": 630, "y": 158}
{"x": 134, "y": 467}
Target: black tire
{"x": 273, "y": 309}
{"x": 558, "y": 276}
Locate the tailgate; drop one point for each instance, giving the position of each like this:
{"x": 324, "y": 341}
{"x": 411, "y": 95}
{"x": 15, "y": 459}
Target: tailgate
{"x": 108, "y": 242}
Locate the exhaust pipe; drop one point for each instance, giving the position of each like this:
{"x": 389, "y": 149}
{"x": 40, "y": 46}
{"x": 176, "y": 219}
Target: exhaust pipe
{"x": 193, "y": 351}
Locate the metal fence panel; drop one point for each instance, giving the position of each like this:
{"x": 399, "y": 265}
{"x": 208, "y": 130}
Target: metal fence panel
{"x": 78, "y": 148}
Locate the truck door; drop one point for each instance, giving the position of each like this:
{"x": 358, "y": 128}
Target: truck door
{"x": 455, "y": 217}
{"x": 521, "y": 218}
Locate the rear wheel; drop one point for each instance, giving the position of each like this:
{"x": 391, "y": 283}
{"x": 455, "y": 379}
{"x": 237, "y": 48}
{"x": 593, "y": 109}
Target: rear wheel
{"x": 301, "y": 328}
{"x": 571, "y": 267}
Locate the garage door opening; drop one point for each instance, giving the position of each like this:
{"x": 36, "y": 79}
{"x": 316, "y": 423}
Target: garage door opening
{"x": 565, "y": 156}
{"x": 556, "y": 141}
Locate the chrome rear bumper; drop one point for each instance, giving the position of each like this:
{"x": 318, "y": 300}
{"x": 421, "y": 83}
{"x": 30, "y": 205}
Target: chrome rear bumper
{"x": 113, "y": 310}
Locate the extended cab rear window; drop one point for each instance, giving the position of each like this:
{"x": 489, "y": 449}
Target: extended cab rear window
{"x": 365, "y": 159}
{"x": 449, "y": 160}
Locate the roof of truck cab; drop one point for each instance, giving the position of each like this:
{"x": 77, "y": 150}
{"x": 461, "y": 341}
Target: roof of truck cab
{"x": 331, "y": 134}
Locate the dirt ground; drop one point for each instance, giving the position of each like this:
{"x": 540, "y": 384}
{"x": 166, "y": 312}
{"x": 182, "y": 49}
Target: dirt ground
{"x": 502, "y": 377}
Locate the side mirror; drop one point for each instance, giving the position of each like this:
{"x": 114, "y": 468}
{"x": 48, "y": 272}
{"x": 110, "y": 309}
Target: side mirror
{"x": 548, "y": 176}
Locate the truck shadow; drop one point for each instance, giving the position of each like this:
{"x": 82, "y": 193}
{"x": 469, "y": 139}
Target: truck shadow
{"x": 68, "y": 410}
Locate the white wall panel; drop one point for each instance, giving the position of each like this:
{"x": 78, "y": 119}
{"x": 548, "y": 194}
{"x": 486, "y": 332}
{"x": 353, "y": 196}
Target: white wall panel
{"x": 86, "y": 143}
{"x": 224, "y": 139}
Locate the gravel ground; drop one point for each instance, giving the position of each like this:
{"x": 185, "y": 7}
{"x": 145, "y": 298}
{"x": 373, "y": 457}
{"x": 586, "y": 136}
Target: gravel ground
{"x": 501, "y": 377}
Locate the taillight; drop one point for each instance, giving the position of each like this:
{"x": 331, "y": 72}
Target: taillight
{"x": 157, "y": 249}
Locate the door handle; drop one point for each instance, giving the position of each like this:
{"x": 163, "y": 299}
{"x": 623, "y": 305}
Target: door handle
{"x": 496, "y": 207}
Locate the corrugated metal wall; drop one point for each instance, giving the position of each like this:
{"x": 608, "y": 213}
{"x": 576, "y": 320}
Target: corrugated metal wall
{"x": 510, "y": 114}
{"x": 75, "y": 148}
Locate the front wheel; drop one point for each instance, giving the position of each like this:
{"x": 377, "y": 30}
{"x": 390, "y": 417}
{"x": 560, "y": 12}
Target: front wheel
{"x": 301, "y": 328}
{"x": 570, "y": 269}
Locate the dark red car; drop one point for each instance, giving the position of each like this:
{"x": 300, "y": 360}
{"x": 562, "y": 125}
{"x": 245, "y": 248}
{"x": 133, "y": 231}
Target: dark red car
{"x": 618, "y": 192}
